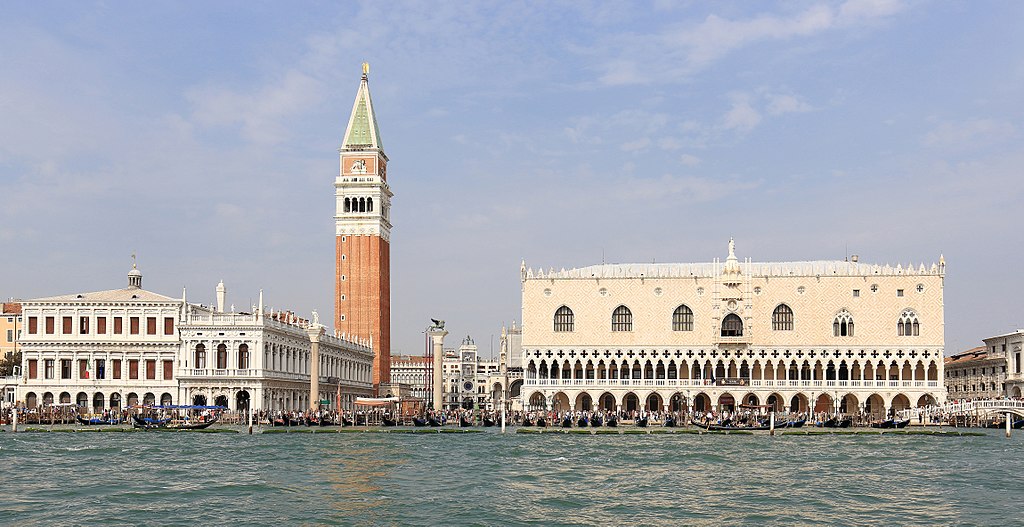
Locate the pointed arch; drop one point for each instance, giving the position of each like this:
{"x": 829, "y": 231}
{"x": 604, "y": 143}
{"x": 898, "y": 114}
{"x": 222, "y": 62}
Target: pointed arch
{"x": 682, "y": 318}
{"x": 842, "y": 325}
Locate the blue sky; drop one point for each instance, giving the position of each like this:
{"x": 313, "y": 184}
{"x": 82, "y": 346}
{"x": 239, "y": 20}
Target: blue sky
{"x": 204, "y": 136}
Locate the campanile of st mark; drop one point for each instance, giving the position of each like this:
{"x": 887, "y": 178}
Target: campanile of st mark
{"x": 362, "y": 292}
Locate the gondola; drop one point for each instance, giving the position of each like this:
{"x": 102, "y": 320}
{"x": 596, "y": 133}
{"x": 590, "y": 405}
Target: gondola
{"x": 528, "y": 422}
{"x": 612, "y": 422}
{"x": 891, "y": 423}
{"x": 1018, "y": 424}
{"x": 433, "y": 421}
{"x": 326, "y": 421}
{"x": 641, "y": 422}
{"x": 901, "y": 424}
{"x": 796, "y": 424}
{"x": 582, "y": 422}
{"x": 96, "y": 421}
{"x": 464, "y": 423}
{"x": 360, "y": 419}
{"x": 596, "y": 421}
{"x": 419, "y": 421}
{"x": 345, "y": 421}
{"x": 845, "y": 422}
{"x": 388, "y": 421}
{"x": 488, "y": 421}
{"x": 541, "y": 422}
{"x": 670, "y": 422}
{"x": 567, "y": 422}
{"x": 831, "y": 422}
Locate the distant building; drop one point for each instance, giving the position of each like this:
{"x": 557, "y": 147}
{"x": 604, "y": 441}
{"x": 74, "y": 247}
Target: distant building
{"x": 1010, "y": 345}
{"x": 415, "y": 372}
{"x": 804, "y": 336}
{"x": 473, "y": 382}
{"x": 976, "y": 374}
{"x": 123, "y": 347}
{"x": 10, "y": 328}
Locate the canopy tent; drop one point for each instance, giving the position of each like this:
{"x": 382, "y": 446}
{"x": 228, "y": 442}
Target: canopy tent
{"x": 376, "y": 401}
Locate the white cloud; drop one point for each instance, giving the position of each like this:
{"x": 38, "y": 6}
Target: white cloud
{"x": 677, "y": 51}
{"x": 742, "y": 116}
{"x": 968, "y": 133}
{"x": 689, "y": 160}
{"x": 780, "y": 104}
{"x": 636, "y": 145}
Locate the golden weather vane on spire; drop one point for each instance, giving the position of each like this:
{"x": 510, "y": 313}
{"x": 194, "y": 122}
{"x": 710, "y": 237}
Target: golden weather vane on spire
{"x": 366, "y": 68}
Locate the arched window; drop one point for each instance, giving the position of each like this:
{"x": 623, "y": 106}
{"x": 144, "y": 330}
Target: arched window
{"x": 622, "y": 319}
{"x": 682, "y": 319}
{"x": 782, "y": 318}
{"x": 222, "y": 357}
{"x": 563, "y": 319}
{"x": 908, "y": 325}
{"x": 243, "y": 357}
{"x": 842, "y": 326}
{"x": 369, "y": 204}
{"x": 200, "y": 362}
{"x": 362, "y": 204}
{"x": 732, "y": 326}
{"x": 348, "y": 205}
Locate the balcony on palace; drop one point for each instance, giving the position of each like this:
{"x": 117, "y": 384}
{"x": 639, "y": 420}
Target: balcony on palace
{"x": 744, "y": 383}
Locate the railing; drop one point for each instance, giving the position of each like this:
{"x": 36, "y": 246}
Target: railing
{"x": 695, "y": 383}
{"x": 984, "y": 406}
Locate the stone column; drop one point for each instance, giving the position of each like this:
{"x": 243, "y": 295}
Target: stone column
{"x": 315, "y": 331}
{"x": 437, "y": 336}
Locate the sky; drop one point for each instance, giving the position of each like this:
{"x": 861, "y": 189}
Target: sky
{"x": 203, "y": 136}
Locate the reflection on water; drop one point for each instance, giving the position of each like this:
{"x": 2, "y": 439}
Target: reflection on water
{"x": 489, "y": 479}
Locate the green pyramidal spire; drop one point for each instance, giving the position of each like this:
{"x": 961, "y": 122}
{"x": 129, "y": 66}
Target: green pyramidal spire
{"x": 362, "y": 132}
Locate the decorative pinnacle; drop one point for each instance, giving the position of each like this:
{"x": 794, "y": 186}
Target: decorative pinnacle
{"x": 366, "y": 69}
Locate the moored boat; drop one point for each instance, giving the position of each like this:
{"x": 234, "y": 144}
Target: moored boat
{"x": 612, "y": 421}
{"x": 96, "y": 421}
{"x": 177, "y": 424}
{"x": 419, "y": 421}
{"x": 541, "y": 422}
{"x": 567, "y": 422}
{"x": 596, "y": 421}
{"x": 463, "y": 422}
{"x": 582, "y": 422}
{"x": 488, "y": 421}
{"x": 641, "y": 422}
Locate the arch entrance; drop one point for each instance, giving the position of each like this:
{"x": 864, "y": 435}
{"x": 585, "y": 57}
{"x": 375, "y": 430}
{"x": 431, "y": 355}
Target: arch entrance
{"x": 775, "y": 402}
{"x": 199, "y": 400}
{"x": 654, "y": 403}
{"x": 631, "y": 402}
{"x": 702, "y": 403}
{"x": 560, "y": 402}
{"x": 726, "y": 402}
{"x": 242, "y": 401}
{"x": 848, "y": 404}
{"x": 751, "y": 400}
{"x": 824, "y": 404}
{"x": 798, "y": 403}
{"x": 221, "y": 400}
{"x": 874, "y": 406}
{"x": 900, "y": 402}
{"x": 928, "y": 400}
{"x": 584, "y": 402}
{"x": 606, "y": 402}
{"x": 677, "y": 403}
{"x": 537, "y": 401}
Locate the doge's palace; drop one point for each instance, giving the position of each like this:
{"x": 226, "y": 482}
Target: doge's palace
{"x": 824, "y": 336}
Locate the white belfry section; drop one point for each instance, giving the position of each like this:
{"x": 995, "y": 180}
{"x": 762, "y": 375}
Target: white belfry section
{"x": 362, "y": 194}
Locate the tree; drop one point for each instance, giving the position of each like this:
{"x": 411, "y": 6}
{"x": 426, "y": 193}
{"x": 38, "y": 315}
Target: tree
{"x": 8, "y": 363}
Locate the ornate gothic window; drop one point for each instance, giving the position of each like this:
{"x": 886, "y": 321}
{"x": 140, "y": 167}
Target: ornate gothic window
{"x": 682, "y": 319}
{"x": 908, "y": 325}
{"x": 563, "y": 319}
{"x": 622, "y": 319}
{"x": 843, "y": 324}
{"x": 732, "y": 326}
{"x": 782, "y": 318}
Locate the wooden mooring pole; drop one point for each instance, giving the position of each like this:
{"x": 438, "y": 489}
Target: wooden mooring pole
{"x": 1007, "y": 424}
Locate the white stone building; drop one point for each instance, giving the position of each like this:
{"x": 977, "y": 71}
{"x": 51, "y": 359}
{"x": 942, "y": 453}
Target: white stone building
{"x": 824, "y": 336}
{"x": 105, "y": 349}
{"x": 1010, "y": 346}
{"x": 473, "y": 382}
{"x": 122, "y": 347}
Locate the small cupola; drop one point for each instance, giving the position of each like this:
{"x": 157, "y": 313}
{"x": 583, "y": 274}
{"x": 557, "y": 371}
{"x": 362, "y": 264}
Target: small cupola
{"x": 134, "y": 276}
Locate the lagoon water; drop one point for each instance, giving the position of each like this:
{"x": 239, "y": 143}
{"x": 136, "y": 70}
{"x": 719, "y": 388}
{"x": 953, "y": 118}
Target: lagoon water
{"x": 493, "y": 479}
